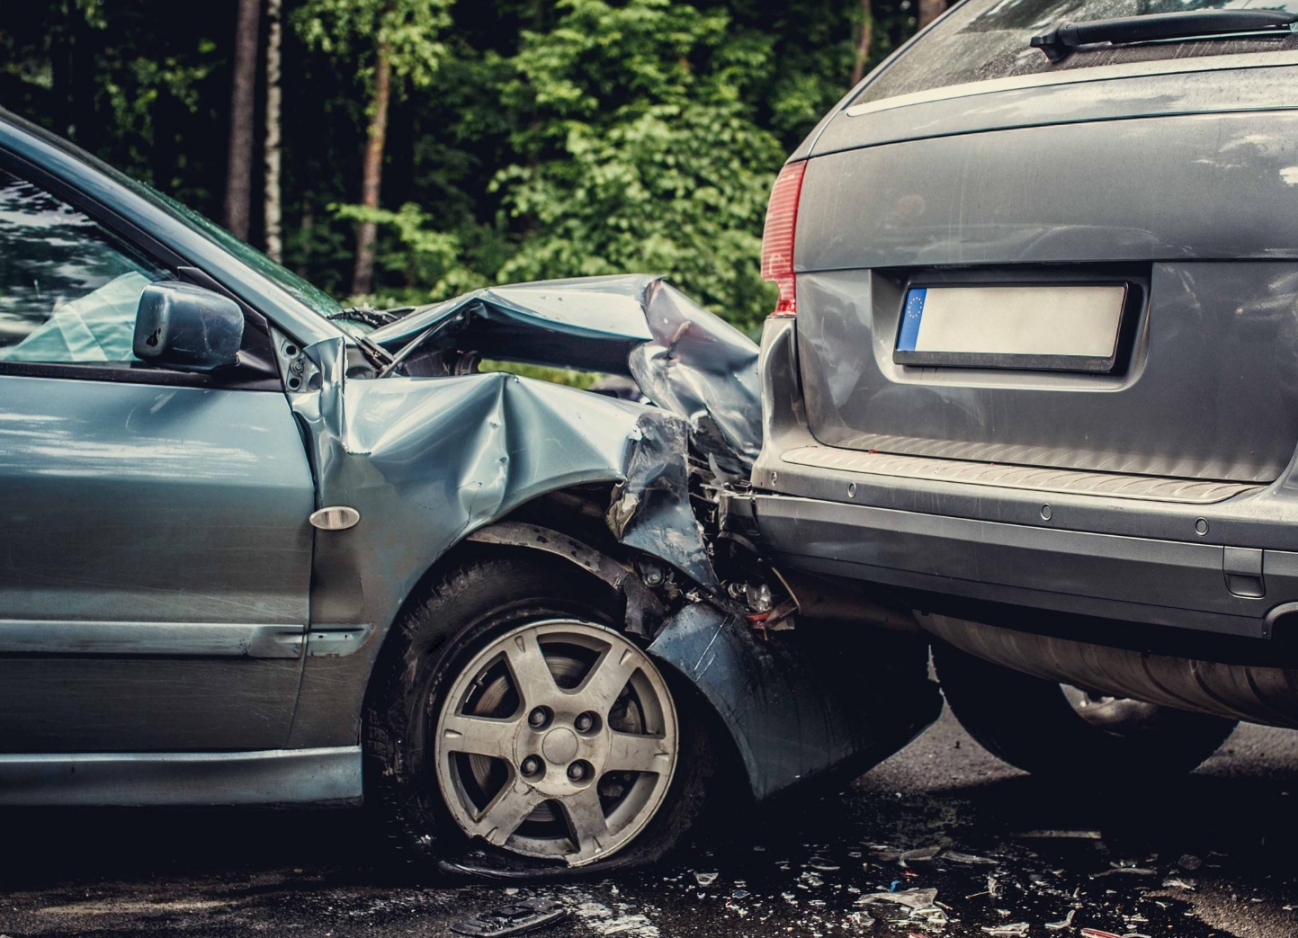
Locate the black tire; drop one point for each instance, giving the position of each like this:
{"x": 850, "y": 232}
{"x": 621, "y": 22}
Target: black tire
{"x": 439, "y": 633}
{"x": 1031, "y": 724}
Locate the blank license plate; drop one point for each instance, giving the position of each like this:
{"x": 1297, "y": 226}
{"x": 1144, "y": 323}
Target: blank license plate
{"x": 1052, "y": 328}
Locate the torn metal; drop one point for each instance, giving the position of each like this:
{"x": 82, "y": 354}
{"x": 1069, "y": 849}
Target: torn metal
{"x": 684, "y": 358}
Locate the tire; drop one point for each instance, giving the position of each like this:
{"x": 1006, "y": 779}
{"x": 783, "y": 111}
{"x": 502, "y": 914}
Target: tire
{"x": 464, "y": 773}
{"x": 1047, "y": 728}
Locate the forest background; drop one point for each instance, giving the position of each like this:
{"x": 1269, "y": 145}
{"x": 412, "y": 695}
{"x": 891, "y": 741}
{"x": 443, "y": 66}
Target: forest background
{"x": 402, "y": 151}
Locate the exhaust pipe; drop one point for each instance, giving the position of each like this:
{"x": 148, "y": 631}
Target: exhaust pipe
{"x": 1254, "y": 693}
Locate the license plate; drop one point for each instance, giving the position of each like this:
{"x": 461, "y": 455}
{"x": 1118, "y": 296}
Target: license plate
{"x": 1045, "y": 328}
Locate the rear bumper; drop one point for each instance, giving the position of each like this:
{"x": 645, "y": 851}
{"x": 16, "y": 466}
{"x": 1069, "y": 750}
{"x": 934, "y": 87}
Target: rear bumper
{"x": 1228, "y": 567}
{"x": 1165, "y": 583}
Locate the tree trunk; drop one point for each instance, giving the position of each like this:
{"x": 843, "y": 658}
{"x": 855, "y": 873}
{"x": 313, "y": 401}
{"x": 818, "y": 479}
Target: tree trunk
{"x": 863, "y": 43}
{"x": 372, "y": 171}
{"x": 238, "y": 179}
{"x": 272, "y": 205}
{"x": 929, "y": 10}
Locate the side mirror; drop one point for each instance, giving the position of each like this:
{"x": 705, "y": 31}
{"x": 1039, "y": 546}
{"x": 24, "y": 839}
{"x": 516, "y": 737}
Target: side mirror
{"x": 178, "y": 325}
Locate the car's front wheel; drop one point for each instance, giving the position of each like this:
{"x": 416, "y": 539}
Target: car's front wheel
{"x": 1063, "y": 732}
{"x": 515, "y": 729}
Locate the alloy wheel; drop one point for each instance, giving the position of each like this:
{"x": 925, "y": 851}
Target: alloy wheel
{"x": 557, "y": 740}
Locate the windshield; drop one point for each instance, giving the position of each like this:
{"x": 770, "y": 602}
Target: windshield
{"x": 985, "y": 39}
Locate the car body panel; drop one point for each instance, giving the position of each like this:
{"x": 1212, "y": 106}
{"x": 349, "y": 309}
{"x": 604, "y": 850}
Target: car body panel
{"x": 1065, "y": 193}
{"x": 142, "y": 522}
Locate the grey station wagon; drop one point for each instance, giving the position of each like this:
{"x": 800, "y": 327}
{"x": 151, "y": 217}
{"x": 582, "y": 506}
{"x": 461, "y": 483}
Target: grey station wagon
{"x": 262, "y": 549}
{"x": 1034, "y": 371}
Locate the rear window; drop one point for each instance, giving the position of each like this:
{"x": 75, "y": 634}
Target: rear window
{"x": 986, "y": 39}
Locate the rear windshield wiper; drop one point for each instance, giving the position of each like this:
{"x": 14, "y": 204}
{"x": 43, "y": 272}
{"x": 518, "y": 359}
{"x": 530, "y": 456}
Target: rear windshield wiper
{"x": 1060, "y": 42}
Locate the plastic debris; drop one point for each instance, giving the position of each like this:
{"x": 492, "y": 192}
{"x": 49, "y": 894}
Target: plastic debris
{"x": 525, "y": 916}
{"x": 1130, "y": 870}
{"x": 706, "y": 879}
{"x": 820, "y": 863}
{"x": 1017, "y": 930}
{"x": 1174, "y": 883}
{"x": 921, "y": 855}
{"x": 1189, "y": 862}
{"x": 968, "y": 859}
{"x": 1066, "y": 921}
{"x": 604, "y": 921}
{"x": 910, "y": 898}
{"x": 1058, "y": 835}
{"x": 920, "y": 904}
{"x": 1096, "y": 933}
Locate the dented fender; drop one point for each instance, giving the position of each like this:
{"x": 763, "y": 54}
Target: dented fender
{"x": 428, "y": 461}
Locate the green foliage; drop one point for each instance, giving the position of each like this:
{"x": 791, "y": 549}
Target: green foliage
{"x": 528, "y": 138}
{"x": 349, "y": 31}
{"x": 573, "y": 379}
{"x": 637, "y": 152}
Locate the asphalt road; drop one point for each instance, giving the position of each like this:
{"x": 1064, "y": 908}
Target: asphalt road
{"x": 1211, "y": 855}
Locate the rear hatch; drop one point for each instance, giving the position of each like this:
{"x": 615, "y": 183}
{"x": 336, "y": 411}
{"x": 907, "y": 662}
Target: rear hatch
{"x": 1089, "y": 265}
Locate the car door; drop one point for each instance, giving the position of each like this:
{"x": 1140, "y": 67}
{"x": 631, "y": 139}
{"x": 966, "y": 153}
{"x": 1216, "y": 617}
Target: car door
{"x": 155, "y": 556}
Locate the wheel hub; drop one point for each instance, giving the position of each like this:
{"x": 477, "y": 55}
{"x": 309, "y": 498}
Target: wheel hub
{"x": 559, "y": 746}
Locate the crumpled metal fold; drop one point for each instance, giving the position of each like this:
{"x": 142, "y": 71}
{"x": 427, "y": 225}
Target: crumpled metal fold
{"x": 684, "y": 358}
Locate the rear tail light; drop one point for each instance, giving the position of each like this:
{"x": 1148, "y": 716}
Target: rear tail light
{"x": 777, "y": 239}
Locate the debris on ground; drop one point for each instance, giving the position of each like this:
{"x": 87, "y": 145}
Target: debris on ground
{"x": 1058, "y": 835}
{"x": 515, "y": 919}
{"x": 1017, "y": 930}
{"x": 1063, "y": 923}
{"x": 1131, "y": 870}
{"x": 968, "y": 859}
{"x": 705, "y": 879}
{"x": 619, "y": 921}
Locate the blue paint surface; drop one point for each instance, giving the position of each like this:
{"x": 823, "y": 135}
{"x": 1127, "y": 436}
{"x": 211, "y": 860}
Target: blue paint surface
{"x": 910, "y": 319}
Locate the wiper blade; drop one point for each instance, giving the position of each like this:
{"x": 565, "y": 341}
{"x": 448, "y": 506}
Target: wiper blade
{"x": 1060, "y": 42}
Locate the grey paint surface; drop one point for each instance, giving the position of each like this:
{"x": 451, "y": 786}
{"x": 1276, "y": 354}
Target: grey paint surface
{"x": 178, "y": 509}
{"x": 1210, "y": 85}
{"x": 1134, "y": 190}
{"x": 142, "y": 503}
{"x": 285, "y": 776}
{"x": 1211, "y": 391}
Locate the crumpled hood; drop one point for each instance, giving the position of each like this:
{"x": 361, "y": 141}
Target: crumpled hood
{"x": 684, "y": 358}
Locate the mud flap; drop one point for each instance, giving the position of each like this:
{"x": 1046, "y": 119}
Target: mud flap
{"x": 804, "y": 704}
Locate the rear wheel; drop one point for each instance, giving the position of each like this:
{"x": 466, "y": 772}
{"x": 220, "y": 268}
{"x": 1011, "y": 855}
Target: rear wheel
{"x": 1061, "y": 731}
{"x": 515, "y": 730}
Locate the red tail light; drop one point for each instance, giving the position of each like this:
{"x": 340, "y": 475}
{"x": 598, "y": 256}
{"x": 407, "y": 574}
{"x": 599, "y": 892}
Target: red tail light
{"x": 777, "y": 239}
